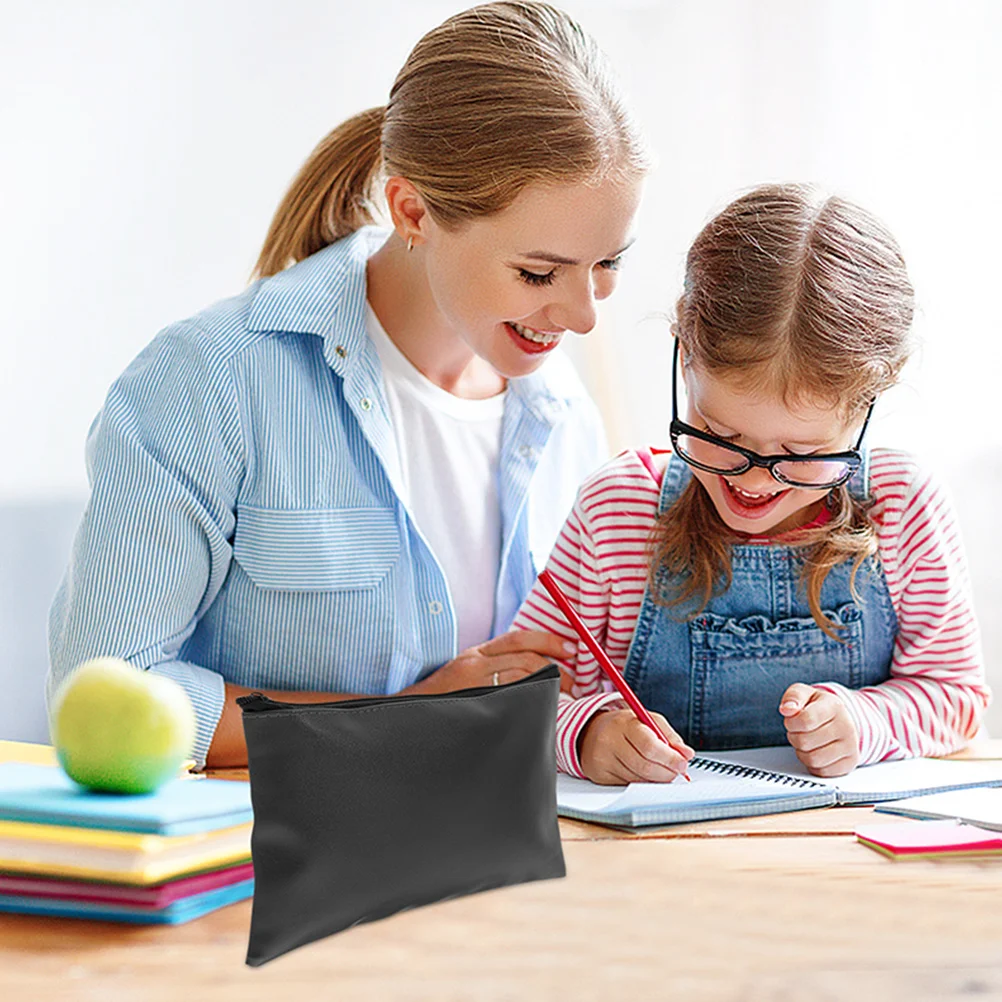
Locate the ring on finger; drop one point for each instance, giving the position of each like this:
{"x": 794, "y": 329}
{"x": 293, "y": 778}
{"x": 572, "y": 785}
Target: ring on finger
{"x": 495, "y": 680}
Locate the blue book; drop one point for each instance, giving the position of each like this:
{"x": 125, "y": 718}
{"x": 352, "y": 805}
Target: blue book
{"x": 182, "y": 910}
{"x": 41, "y": 794}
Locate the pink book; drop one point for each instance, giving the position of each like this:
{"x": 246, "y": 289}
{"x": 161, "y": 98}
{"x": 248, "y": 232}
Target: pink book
{"x": 923, "y": 839}
{"x": 156, "y": 896}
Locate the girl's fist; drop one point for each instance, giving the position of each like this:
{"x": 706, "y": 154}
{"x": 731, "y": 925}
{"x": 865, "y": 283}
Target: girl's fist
{"x": 820, "y": 729}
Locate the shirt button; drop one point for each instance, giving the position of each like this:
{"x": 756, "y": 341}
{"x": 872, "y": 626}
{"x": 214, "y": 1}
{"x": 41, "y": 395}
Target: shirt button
{"x": 527, "y": 452}
{"x": 341, "y": 351}
{"x": 365, "y": 403}
{"x": 435, "y": 607}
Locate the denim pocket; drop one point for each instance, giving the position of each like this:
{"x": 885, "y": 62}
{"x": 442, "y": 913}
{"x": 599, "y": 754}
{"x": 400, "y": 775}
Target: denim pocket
{"x": 741, "y": 668}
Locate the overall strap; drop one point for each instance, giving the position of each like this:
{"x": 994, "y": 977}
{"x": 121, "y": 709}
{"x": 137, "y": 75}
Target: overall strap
{"x": 676, "y": 479}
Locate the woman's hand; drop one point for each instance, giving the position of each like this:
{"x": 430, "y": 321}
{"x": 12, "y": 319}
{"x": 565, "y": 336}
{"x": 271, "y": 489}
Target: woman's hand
{"x": 512, "y": 656}
{"x": 616, "y": 748}
{"x": 820, "y": 729}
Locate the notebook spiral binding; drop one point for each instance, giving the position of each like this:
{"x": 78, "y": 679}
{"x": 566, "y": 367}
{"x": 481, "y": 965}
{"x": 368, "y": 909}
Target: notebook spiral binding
{"x": 730, "y": 769}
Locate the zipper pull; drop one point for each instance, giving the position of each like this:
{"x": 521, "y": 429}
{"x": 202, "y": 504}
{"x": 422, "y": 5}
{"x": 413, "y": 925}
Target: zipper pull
{"x": 255, "y": 701}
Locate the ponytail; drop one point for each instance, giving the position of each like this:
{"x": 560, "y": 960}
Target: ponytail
{"x": 331, "y": 196}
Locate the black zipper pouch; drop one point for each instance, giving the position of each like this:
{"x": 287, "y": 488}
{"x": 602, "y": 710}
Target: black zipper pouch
{"x": 366, "y": 807}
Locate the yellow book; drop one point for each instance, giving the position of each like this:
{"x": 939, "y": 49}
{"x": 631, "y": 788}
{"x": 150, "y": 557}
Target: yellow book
{"x": 26, "y": 751}
{"x": 117, "y": 856}
{"x": 103, "y": 854}
{"x": 36, "y": 754}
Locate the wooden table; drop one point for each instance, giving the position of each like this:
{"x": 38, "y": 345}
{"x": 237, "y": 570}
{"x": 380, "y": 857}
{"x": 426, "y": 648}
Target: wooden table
{"x": 784, "y": 908}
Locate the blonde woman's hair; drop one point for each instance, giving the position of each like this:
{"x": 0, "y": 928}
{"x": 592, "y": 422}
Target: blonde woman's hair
{"x": 498, "y": 97}
{"x": 802, "y": 295}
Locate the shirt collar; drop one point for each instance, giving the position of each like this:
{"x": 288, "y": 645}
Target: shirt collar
{"x": 541, "y": 392}
{"x": 324, "y": 295}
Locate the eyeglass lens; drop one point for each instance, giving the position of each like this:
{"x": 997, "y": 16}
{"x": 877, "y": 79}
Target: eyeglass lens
{"x": 717, "y": 458}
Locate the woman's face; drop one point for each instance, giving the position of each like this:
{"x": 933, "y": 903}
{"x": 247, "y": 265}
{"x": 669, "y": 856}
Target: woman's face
{"x": 512, "y": 284}
{"x": 754, "y": 502}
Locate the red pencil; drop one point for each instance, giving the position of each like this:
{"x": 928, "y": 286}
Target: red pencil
{"x": 603, "y": 659}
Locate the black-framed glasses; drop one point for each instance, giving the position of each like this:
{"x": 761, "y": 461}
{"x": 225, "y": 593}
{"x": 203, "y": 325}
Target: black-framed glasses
{"x": 716, "y": 455}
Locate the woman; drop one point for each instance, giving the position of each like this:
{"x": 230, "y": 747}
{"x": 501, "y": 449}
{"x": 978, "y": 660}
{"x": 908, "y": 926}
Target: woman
{"x": 332, "y": 483}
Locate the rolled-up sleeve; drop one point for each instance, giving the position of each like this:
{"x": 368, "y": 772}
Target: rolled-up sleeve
{"x": 165, "y": 462}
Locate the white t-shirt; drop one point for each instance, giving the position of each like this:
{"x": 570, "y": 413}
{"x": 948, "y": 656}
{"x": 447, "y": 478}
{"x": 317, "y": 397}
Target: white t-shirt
{"x": 448, "y": 452}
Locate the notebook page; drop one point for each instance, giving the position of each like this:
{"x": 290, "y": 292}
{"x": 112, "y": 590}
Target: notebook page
{"x": 882, "y": 781}
{"x": 583, "y": 795}
{"x": 707, "y": 787}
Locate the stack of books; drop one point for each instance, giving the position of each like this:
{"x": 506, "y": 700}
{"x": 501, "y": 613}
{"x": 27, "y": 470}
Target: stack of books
{"x": 163, "y": 857}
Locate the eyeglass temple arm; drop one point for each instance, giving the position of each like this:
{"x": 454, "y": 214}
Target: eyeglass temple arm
{"x": 866, "y": 423}
{"x": 674, "y": 380}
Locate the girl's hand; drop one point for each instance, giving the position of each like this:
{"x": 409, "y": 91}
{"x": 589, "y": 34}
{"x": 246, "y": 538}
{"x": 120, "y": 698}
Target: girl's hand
{"x": 616, "y": 748}
{"x": 820, "y": 729}
{"x": 512, "y": 655}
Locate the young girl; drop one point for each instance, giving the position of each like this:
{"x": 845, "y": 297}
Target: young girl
{"x": 768, "y": 580}
{"x": 337, "y": 481}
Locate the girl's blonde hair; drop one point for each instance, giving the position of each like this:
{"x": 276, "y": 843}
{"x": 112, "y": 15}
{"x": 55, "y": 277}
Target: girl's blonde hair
{"x": 499, "y": 97}
{"x": 805, "y": 296}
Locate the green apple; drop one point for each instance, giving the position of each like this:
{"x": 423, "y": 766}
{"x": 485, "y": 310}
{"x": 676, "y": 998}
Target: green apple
{"x": 120, "y": 729}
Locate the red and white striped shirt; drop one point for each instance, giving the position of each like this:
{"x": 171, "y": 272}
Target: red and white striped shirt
{"x": 933, "y": 701}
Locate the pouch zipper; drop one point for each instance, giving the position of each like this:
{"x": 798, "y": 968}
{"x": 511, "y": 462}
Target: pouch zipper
{"x": 258, "y": 702}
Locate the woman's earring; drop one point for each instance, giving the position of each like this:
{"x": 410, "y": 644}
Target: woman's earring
{"x": 410, "y": 244}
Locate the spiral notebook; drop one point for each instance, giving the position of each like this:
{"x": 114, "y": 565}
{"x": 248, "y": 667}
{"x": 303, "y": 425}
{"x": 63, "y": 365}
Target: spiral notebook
{"x": 762, "y": 781}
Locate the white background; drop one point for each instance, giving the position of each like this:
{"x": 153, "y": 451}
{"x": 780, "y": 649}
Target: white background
{"x": 145, "y": 145}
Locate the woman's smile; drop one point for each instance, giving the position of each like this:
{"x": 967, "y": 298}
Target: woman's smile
{"x": 531, "y": 340}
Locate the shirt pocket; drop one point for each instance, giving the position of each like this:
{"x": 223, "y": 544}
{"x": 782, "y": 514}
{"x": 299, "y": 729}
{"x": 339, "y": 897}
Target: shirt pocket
{"x": 333, "y": 549}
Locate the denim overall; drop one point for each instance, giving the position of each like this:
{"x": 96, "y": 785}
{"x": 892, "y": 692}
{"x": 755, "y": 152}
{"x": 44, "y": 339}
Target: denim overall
{"x": 718, "y": 678}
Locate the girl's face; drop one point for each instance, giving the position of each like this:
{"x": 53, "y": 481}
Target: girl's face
{"x": 512, "y": 284}
{"x": 754, "y": 502}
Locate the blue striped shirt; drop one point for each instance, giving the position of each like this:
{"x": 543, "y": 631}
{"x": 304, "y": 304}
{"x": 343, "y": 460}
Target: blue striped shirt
{"x": 243, "y": 524}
